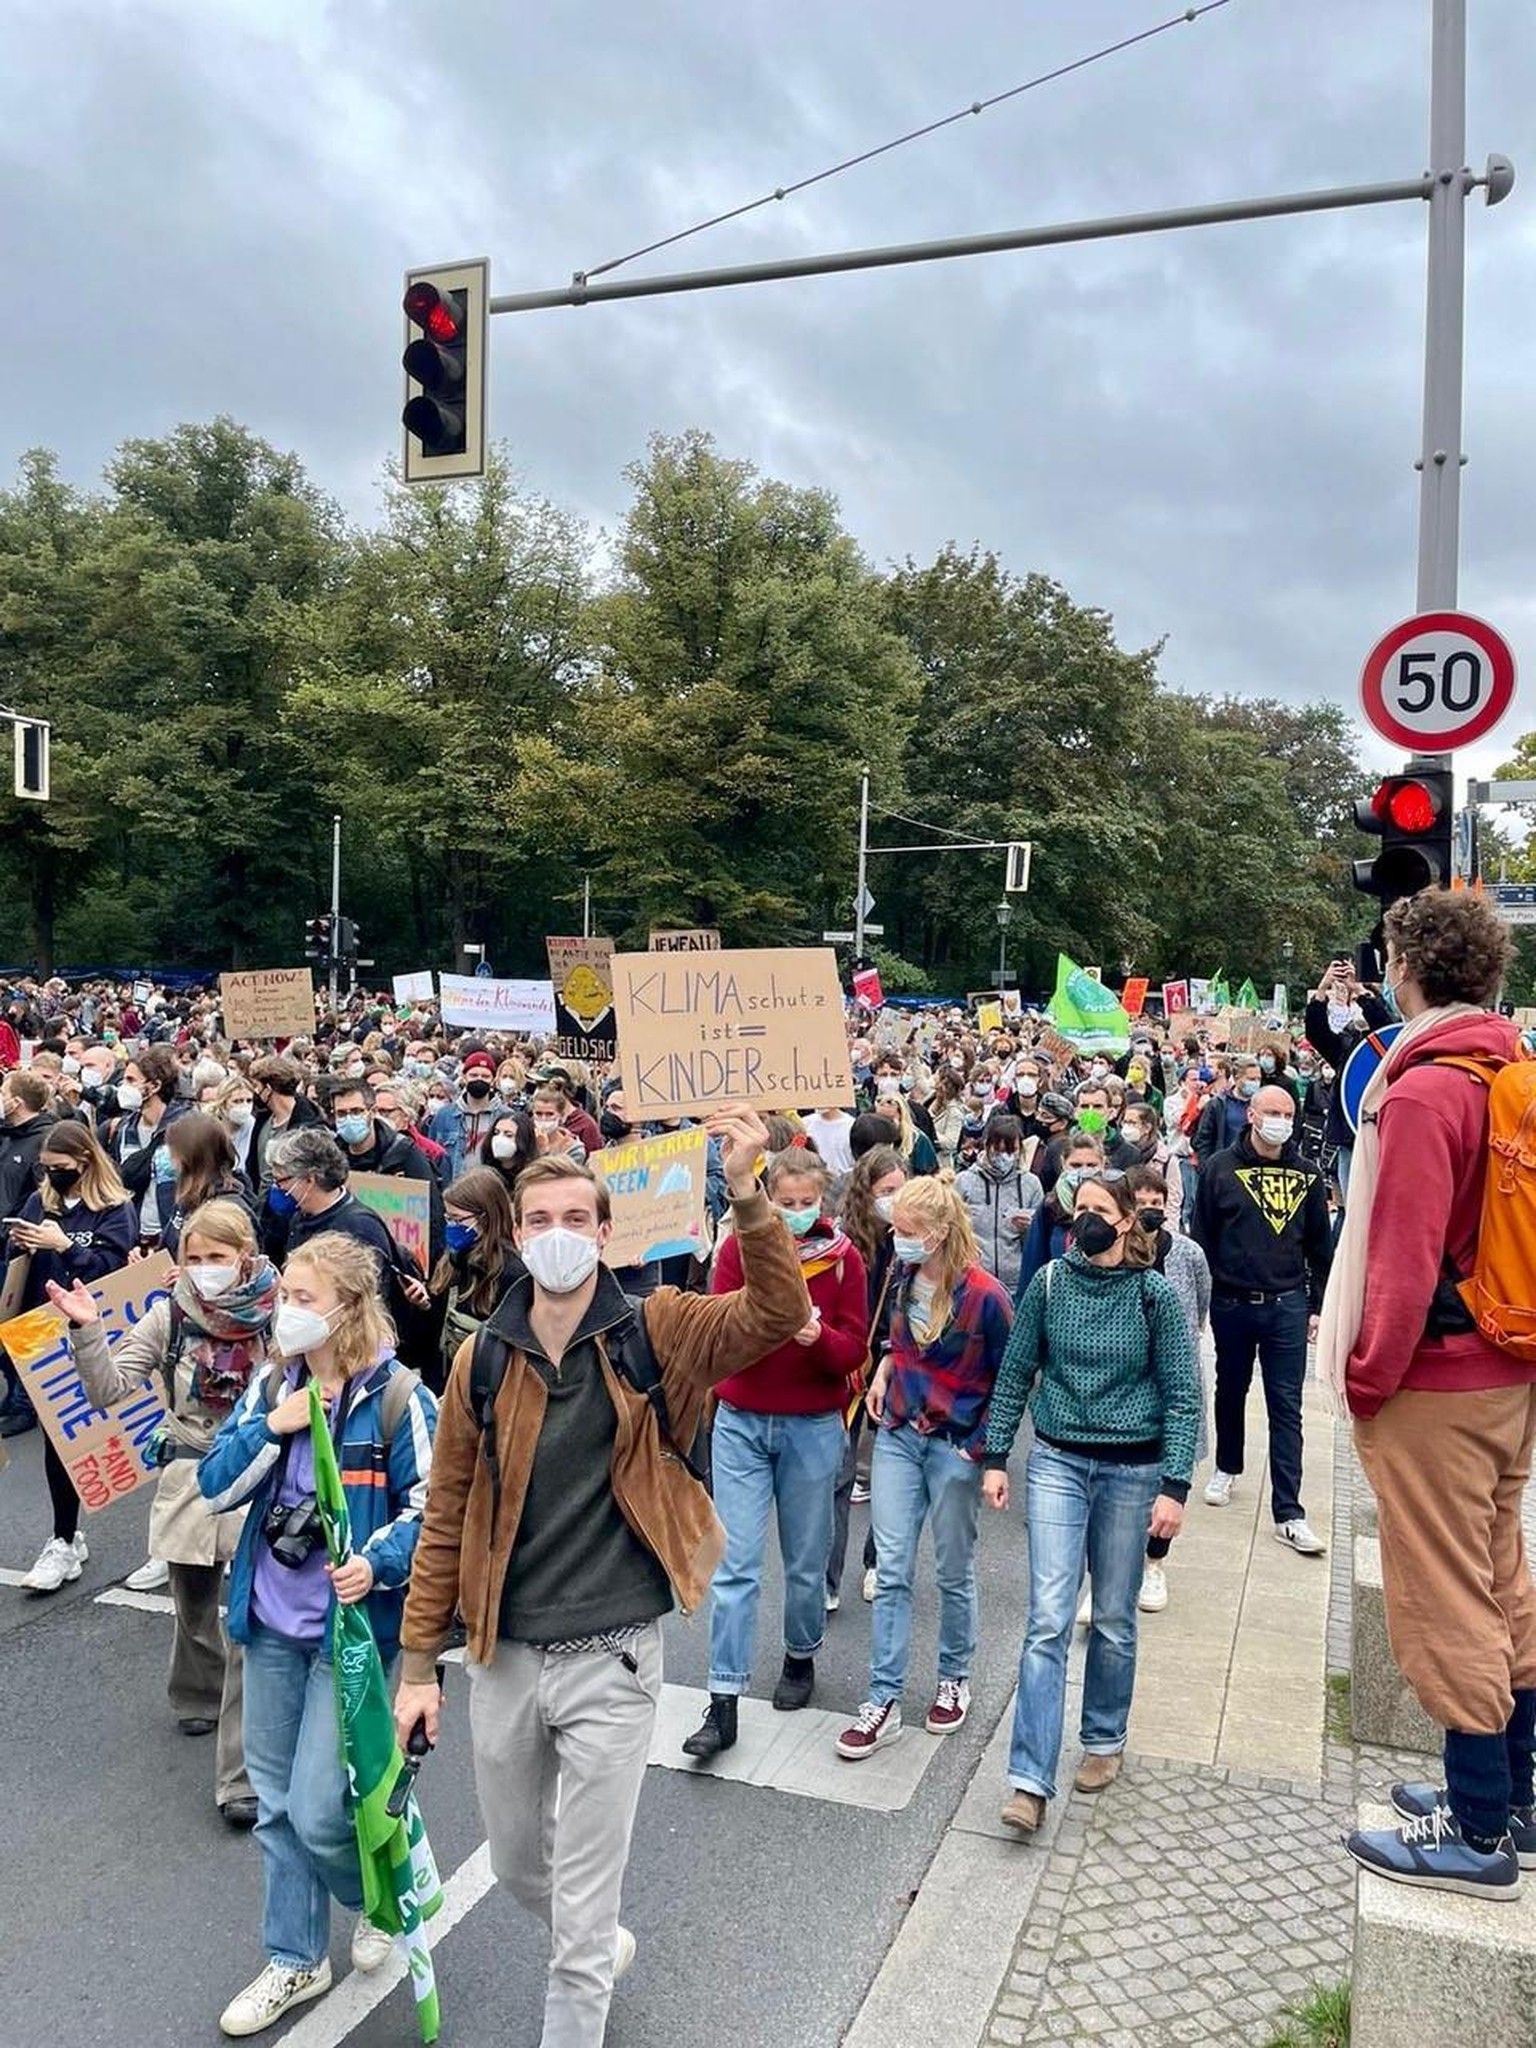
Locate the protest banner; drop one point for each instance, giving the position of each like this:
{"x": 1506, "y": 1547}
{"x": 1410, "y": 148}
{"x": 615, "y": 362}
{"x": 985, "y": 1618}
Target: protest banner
{"x": 142, "y": 991}
{"x": 656, "y": 1186}
{"x": 763, "y": 1026}
{"x": 414, "y": 988}
{"x": 1243, "y": 1030}
{"x": 1175, "y": 998}
{"x": 867, "y": 989}
{"x": 989, "y": 1016}
{"x": 479, "y": 1002}
{"x": 1280, "y": 1001}
{"x": 1199, "y": 994}
{"x": 1181, "y": 1025}
{"x": 1133, "y": 997}
{"x": 268, "y": 1002}
{"x": 1050, "y": 1040}
{"x": 582, "y": 974}
{"x": 105, "y": 1451}
{"x": 403, "y": 1206}
{"x": 701, "y": 939}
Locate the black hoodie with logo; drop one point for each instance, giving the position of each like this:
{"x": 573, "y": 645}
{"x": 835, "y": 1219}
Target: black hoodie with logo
{"x": 1263, "y": 1223}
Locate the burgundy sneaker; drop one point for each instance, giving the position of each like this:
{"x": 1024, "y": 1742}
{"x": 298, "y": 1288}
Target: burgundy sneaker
{"x": 875, "y": 1726}
{"x": 951, "y": 1704}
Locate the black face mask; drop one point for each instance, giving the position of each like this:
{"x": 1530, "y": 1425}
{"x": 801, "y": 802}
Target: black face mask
{"x": 613, "y": 1127}
{"x": 1151, "y": 1220}
{"x": 1092, "y": 1234}
{"x": 477, "y": 1091}
{"x": 63, "y": 1179}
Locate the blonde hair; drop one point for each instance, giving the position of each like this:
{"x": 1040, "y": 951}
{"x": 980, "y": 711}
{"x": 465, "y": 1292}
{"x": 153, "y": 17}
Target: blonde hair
{"x": 364, "y": 1331}
{"x": 932, "y": 1202}
{"x": 223, "y": 1223}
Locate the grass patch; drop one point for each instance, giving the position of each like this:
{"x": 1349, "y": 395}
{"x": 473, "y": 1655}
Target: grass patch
{"x": 1336, "y": 1708}
{"x": 1319, "y": 2021}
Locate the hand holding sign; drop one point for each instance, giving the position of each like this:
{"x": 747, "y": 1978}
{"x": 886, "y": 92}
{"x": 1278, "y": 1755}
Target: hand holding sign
{"x": 746, "y": 1139}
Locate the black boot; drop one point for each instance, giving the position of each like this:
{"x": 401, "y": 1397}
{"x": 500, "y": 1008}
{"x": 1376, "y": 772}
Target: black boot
{"x": 717, "y": 1730}
{"x": 796, "y": 1683}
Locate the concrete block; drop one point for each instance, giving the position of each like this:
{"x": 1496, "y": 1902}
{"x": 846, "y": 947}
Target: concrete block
{"x": 1434, "y": 1967}
{"x": 1383, "y": 1708}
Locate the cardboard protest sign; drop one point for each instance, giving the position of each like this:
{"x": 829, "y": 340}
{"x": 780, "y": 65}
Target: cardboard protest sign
{"x": 414, "y": 988}
{"x": 1199, "y": 994}
{"x": 104, "y": 1450}
{"x": 701, "y": 939}
{"x": 1133, "y": 997}
{"x": 1060, "y": 1049}
{"x": 1175, "y": 998}
{"x": 269, "y": 1002}
{"x": 1182, "y": 1024}
{"x": 581, "y": 971}
{"x": 403, "y": 1206}
{"x": 989, "y": 1016}
{"x": 14, "y": 1285}
{"x": 763, "y": 1027}
{"x": 1244, "y": 1031}
{"x": 656, "y": 1186}
{"x": 481, "y": 1003}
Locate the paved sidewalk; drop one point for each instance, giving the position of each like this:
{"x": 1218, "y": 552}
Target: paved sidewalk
{"x": 1206, "y": 1889}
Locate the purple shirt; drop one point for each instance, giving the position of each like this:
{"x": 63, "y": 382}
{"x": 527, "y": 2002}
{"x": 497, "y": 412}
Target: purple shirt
{"x": 294, "y": 1603}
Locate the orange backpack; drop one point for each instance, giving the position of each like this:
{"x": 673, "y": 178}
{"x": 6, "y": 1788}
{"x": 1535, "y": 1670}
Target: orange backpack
{"x": 1500, "y": 1291}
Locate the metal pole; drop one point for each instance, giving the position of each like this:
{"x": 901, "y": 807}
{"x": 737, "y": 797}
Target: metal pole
{"x": 580, "y": 293}
{"x": 586, "y": 906}
{"x": 1002, "y": 959}
{"x": 858, "y": 899}
{"x": 335, "y": 900}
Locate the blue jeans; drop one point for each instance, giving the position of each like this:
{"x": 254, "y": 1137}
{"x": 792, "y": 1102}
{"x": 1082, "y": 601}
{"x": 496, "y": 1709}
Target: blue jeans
{"x": 1082, "y": 1511}
{"x": 760, "y": 1461}
{"x": 1277, "y": 1331}
{"x": 913, "y": 1477}
{"x": 293, "y": 1759}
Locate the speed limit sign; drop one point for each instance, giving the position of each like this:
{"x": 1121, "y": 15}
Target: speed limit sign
{"x": 1438, "y": 681}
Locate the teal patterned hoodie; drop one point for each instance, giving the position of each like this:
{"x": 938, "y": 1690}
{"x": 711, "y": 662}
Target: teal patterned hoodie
{"x": 1100, "y": 1355}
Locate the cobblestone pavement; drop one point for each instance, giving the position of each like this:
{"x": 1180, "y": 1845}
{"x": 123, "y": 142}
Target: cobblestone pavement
{"x": 1191, "y": 1903}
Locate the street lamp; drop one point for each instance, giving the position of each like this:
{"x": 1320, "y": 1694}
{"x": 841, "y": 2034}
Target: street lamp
{"x": 1004, "y": 915}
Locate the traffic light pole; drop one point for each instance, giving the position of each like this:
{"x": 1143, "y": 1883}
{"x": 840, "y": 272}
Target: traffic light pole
{"x": 335, "y": 904}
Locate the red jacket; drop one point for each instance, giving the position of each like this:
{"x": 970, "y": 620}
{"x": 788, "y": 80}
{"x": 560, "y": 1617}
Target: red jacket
{"x": 1433, "y": 1127}
{"x": 804, "y": 1379}
{"x": 10, "y": 1048}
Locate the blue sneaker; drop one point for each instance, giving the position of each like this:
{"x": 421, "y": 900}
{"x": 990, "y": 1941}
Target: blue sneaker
{"x": 1430, "y": 1852}
{"x": 1414, "y": 1801}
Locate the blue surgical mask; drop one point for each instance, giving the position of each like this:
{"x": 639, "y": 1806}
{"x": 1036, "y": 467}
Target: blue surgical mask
{"x": 352, "y": 1130}
{"x": 1389, "y": 997}
{"x": 910, "y": 1250}
{"x": 279, "y": 1201}
{"x": 460, "y": 1236}
{"x": 1247, "y": 1090}
{"x": 801, "y": 1221}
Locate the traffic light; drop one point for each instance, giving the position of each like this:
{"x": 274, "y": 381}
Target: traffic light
{"x": 346, "y": 939}
{"x": 318, "y": 934}
{"x": 1412, "y": 816}
{"x": 444, "y": 360}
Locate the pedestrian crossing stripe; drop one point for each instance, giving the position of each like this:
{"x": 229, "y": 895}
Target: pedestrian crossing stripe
{"x": 1277, "y": 1192}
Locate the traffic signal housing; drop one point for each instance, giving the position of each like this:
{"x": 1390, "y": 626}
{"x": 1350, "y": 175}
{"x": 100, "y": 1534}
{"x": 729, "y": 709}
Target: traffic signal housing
{"x": 318, "y": 939}
{"x": 446, "y": 319}
{"x": 1413, "y": 817}
{"x": 32, "y": 765}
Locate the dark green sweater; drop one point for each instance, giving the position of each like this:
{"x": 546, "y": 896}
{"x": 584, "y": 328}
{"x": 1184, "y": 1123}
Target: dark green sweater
{"x": 1110, "y": 1350}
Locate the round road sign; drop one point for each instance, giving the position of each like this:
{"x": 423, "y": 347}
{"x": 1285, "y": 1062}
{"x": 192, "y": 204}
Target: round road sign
{"x": 1360, "y": 1066}
{"x": 1438, "y": 681}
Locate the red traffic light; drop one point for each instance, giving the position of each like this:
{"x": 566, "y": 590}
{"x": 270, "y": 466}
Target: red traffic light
{"x": 435, "y": 314}
{"x": 1408, "y": 806}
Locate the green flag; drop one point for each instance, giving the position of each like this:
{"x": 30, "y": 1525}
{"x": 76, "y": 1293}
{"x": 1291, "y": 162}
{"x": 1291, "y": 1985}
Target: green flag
{"x": 1221, "y": 995}
{"x": 1247, "y": 997}
{"x": 1086, "y": 1012}
{"x": 401, "y": 1888}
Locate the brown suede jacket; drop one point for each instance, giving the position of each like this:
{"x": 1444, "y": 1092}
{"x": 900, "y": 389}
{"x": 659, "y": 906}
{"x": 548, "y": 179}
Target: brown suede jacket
{"x": 461, "y": 1561}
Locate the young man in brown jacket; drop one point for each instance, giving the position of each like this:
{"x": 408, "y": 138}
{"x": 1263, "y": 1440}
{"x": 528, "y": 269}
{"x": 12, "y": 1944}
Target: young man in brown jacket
{"x": 565, "y": 1532}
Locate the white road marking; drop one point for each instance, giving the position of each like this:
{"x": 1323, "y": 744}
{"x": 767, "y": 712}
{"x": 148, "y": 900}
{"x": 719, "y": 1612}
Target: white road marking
{"x": 12, "y": 1578}
{"x": 333, "y": 2018}
{"x": 146, "y": 1603}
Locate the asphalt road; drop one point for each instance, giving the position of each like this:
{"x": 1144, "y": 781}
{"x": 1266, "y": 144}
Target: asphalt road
{"x": 130, "y": 1914}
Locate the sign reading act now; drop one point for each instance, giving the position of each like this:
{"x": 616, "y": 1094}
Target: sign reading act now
{"x": 762, "y": 1027}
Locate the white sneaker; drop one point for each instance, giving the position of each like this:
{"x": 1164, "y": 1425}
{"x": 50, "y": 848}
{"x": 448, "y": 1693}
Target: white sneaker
{"x": 1218, "y": 1488}
{"x": 1153, "y": 1597}
{"x": 1085, "y": 1606}
{"x": 57, "y": 1564}
{"x": 371, "y": 1946}
{"x": 833, "y": 1602}
{"x": 624, "y": 1954}
{"x": 860, "y": 1493}
{"x": 1300, "y": 1538}
{"x": 276, "y": 1991}
{"x": 150, "y": 1576}
{"x": 868, "y": 1587}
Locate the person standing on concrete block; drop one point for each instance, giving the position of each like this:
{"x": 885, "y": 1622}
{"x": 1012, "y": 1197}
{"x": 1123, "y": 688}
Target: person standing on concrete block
{"x": 1444, "y": 1418}
{"x": 1261, "y": 1218}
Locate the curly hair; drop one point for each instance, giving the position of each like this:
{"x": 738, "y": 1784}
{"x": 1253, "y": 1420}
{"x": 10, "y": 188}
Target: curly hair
{"x": 1452, "y": 943}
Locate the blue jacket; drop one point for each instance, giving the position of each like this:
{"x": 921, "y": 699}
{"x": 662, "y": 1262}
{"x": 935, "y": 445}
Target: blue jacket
{"x": 1046, "y": 1240}
{"x": 385, "y": 1485}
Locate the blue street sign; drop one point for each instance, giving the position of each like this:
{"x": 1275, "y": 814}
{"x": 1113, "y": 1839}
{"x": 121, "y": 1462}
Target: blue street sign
{"x": 1513, "y": 893}
{"x": 1358, "y": 1069}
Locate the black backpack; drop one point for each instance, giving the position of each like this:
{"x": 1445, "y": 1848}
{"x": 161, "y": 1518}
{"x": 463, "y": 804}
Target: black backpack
{"x": 632, "y": 1357}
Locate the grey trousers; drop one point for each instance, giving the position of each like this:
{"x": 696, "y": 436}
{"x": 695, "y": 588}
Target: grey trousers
{"x": 207, "y": 1681}
{"x": 560, "y": 1744}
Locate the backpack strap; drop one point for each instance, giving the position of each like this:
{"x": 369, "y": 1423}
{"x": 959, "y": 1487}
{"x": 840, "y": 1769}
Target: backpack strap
{"x": 633, "y": 1357}
{"x": 397, "y": 1398}
{"x": 487, "y": 1369}
{"x": 178, "y": 1324}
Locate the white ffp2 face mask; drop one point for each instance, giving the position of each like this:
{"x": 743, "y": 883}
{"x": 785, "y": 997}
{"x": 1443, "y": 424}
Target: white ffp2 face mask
{"x": 559, "y": 1259}
{"x": 213, "y": 1281}
{"x": 1276, "y": 1130}
{"x": 298, "y": 1330}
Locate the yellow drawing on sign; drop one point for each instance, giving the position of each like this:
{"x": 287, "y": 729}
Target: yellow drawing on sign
{"x": 586, "y": 995}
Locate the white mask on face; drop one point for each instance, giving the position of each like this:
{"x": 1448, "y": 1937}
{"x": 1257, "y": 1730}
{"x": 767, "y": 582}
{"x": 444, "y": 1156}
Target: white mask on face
{"x": 1276, "y": 1130}
{"x": 298, "y": 1330}
{"x": 241, "y": 1115}
{"x": 559, "y": 1259}
{"x": 885, "y": 1207}
{"x": 212, "y": 1281}
{"x": 130, "y": 1098}
{"x": 503, "y": 1147}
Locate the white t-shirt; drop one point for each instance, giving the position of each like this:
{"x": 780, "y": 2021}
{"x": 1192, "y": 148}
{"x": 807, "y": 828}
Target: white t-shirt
{"x": 830, "y": 1134}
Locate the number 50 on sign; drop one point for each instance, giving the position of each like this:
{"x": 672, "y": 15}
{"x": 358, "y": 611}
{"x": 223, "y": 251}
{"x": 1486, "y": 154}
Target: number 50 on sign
{"x": 1438, "y": 681}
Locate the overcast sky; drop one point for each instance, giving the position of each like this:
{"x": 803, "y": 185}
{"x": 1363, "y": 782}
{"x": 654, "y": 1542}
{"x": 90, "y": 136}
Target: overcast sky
{"x": 1209, "y": 435}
